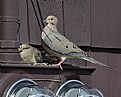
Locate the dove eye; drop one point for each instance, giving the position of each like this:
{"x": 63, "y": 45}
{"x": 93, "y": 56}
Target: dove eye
{"x": 26, "y": 48}
{"x": 66, "y": 46}
{"x": 51, "y": 18}
{"x": 53, "y": 24}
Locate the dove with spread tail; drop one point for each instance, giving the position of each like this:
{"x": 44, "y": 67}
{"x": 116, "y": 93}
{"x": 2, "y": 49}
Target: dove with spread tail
{"x": 30, "y": 54}
{"x": 58, "y": 45}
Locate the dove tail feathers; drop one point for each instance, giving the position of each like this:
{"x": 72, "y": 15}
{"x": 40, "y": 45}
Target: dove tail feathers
{"x": 97, "y": 62}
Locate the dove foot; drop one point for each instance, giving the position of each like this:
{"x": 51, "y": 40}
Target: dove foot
{"x": 59, "y": 64}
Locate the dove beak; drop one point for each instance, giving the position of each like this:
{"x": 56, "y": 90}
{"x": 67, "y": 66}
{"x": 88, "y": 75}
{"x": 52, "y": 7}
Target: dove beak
{"x": 45, "y": 22}
{"x": 20, "y": 50}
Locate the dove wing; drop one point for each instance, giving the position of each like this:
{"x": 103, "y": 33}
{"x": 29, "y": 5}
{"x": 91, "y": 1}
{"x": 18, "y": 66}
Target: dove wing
{"x": 57, "y": 42}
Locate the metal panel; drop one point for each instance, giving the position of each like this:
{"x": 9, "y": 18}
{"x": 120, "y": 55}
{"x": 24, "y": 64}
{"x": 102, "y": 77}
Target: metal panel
{"x": 34, "y": 30}
{"x": 8, "y": 17}
{"x": 77, "y": 21}
{"x": 9, "y": 8}
{"x": 105, "y": 79}
{"x": 100, "y": 76}
{"x": 8, "y": 57}
{"x": 8, "y": 32}
{"x": 9, "y": 25}
{"x": 24, "y": 30}
{"x": 114, "y": 59}
{"x": 105, "y": 23}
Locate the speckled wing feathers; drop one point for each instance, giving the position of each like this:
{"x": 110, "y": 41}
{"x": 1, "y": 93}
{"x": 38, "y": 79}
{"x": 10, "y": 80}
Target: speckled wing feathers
{"x": 59, "y": 43}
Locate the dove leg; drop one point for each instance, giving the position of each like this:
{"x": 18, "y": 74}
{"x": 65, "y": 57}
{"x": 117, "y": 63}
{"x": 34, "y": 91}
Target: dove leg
{"x": 59, "y": 64}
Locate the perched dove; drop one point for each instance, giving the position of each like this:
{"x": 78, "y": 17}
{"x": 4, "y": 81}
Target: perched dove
{"x": 30, "y": 54}
{"x": 58, "y": 45}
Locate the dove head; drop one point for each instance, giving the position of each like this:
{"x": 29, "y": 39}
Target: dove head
{"x": 23, "y": 47}
{"x": 51, "y": 21}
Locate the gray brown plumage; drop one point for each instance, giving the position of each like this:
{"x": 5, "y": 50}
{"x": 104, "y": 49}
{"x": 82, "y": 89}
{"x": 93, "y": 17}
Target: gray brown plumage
{"x": 58, "y": 45}
{"x": 30, "y": 54}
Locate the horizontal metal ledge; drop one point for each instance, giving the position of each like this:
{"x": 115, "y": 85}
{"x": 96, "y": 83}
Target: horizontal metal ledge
{"x": 9, "y": 50}
{"x": 9, "y": 44}
{"x": 80, "y": 70}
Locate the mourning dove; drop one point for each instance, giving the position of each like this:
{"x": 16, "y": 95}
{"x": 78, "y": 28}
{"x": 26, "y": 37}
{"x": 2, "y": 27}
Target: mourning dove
{"x": 58, "y": 45}
{"x": 30, "y": 54}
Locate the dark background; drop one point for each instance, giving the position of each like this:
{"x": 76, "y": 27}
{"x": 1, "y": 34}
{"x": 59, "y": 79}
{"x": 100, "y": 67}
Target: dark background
{"x": 94, "y": 25}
